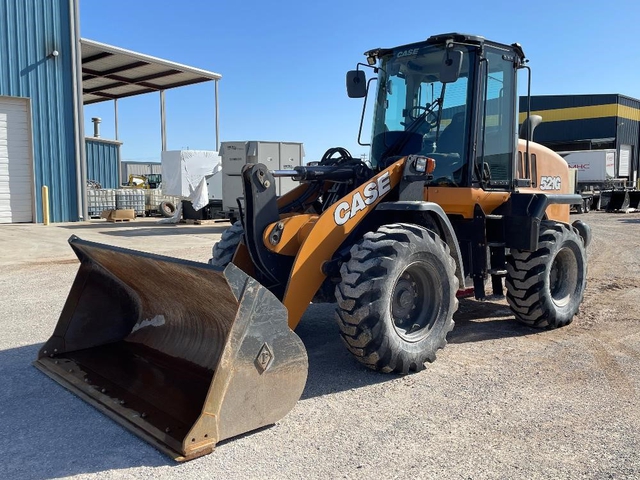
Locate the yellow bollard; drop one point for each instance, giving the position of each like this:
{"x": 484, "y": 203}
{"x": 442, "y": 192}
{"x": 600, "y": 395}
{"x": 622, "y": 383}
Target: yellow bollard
{"x": 45, "y": 205}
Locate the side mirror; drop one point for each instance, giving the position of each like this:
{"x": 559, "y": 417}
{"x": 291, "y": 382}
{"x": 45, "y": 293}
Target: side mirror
{"x": 451, "y": 66}
{"x": 356, "y": 84}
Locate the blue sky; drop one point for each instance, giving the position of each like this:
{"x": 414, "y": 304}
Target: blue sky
{"x": 283, "y": 63}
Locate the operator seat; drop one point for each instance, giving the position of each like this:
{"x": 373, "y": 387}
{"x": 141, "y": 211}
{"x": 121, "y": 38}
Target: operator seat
{"x": 451, "y": 140}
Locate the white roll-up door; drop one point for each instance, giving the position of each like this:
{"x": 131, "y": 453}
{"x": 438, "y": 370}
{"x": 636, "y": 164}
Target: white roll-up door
{"x": 16, "y": 161}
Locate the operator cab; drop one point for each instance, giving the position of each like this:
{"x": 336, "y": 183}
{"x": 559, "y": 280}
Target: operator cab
{"x": 451, "y": 98}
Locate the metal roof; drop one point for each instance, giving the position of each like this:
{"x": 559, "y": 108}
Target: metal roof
{"x": 110, "y": 72}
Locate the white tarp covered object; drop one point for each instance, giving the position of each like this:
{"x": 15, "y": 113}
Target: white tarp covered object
{"x": 184, "y": 174}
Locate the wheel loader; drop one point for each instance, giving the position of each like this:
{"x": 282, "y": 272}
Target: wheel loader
{"x": 451, "y": 201}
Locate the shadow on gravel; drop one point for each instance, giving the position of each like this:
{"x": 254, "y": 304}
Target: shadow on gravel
{"x": 629, "y": 220}
{"x": 488, "y": 320}
{"x": 165, "y": 230}
{"x": 333, "y": 369}
{"x": 47, "y": 432}
{"x": 146, "y": 228}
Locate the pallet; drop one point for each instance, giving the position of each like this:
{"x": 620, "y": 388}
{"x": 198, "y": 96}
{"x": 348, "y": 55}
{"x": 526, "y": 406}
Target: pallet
{"x": 116, "y": 220}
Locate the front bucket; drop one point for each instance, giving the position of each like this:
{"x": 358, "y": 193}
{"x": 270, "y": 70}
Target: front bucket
{"x": 618, "y": 201}
{"x": 634, "y": 199}
{"x": 181, "y": 353}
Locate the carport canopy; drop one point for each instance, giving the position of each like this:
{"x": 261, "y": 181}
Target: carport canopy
{"x": 111, "y": 73}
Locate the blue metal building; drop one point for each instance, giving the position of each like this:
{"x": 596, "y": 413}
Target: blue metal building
{"x": 47, "y": 75}
{"x": 38, "y": 110}
{"x": 590, "y": 122}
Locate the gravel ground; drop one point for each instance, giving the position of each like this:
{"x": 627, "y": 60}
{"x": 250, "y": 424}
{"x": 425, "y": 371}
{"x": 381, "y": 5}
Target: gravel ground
{"x": 501, "y": 401}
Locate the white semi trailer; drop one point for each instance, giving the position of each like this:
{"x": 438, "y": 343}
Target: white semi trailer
{"x": 595, "y": 167}
{"x": 596, "y": 180}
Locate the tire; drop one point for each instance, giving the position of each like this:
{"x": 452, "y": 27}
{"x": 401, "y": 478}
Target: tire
{"x": 224, "y": 250}
{"x": 392, "y": 274}
{"x": 587, "y": 205}
{"x": 580, "y": 208}
{"x": 167, "y": 209}
{"x": 545, "y": 288}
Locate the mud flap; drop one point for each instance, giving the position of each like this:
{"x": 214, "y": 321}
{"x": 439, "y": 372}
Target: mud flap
{"x": 181, "y": 353}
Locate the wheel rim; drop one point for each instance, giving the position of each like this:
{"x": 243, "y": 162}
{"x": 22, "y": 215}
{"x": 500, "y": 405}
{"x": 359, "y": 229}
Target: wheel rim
{"x": 415, "y": 300}
{"x": 563, "y": 277}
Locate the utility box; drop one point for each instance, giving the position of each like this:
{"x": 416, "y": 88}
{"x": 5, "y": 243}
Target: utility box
{"x": 183, "y": 170}
{"x": 274, "y": 155}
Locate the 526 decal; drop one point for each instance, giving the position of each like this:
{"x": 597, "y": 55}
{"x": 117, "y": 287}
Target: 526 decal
{"x": 550, "y": 183}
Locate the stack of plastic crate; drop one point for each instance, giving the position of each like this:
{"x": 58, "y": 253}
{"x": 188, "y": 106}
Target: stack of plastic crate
{"x": 131, "y": 198}
{"x": 99, "y": 200}
{"x": 153, "y": 199}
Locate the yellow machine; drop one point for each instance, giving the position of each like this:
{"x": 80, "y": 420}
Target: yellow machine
{"x": 450, "y": 200}
{"x": 152, "y": 180}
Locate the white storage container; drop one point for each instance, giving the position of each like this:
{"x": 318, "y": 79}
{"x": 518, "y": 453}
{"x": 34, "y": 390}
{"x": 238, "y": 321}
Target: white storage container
{"x": 183, "y": 170}
{"x": 231, "y": 190}
{"x": 274, "y": 155}
{"x": 214, "y": 183}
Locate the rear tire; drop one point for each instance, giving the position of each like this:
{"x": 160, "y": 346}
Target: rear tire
{"x": 545, "y": 288}
{"x": 224, "y": 250}
{"x": 397, "y": 298}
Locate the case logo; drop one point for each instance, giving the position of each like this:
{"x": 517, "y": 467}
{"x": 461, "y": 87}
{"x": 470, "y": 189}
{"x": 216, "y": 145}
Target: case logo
{"x": 406, "y": 53}
{"x": 550, "y": 183}
{"x": 359, "y": 201}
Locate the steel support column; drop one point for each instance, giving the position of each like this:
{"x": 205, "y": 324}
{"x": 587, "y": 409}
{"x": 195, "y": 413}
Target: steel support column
{"x": 163, "y": 121}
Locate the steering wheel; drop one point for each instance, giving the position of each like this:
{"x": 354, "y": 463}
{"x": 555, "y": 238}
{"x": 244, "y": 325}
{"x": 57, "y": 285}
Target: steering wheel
{"x": 415, "y": 112}
{"x": 444, "y": 182}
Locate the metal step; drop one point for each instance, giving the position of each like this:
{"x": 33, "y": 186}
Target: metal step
{"x": 499, "y": 273}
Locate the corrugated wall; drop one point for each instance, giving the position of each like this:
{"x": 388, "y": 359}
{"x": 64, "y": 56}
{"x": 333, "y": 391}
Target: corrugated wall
{"x": 628, "y": 131}
{"x": 29, "y": 31}
{"x": 577, "y": 122}
{"x": 138, "y": 168}
{"x": 102, "y": 162}
{"x": 572, "y": 118}
{"x": 551, "y": 102}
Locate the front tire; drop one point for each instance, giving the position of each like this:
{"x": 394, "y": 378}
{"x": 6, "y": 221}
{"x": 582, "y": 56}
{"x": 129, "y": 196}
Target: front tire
{"x": 545, "y": 288}
{"x": 224, "y": 250}
{"x": 397, "y": 298}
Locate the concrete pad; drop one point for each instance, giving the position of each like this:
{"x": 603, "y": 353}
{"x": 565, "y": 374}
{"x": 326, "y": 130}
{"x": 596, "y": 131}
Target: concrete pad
{"x": 29, "y": 243}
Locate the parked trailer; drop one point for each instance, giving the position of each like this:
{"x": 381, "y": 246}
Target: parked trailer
{"x": 587, "y": 196}
{"x": 597, "y": 183}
